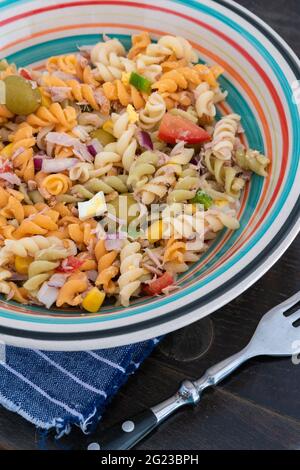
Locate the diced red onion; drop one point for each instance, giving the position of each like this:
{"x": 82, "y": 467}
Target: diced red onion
{"x": 80, "y": 149}
{"x": 37, "y": 163}
{"x": 92, "y": 150}
{"x": 11, "y": 178}
{"x": 60, "y": 138}
{"x": 57, "y": 280}
{"x": 96, "y": 144}
{"x": 145, "y": 141}
{"x": 47, "y": 295}
{"x": 58, "y": 165}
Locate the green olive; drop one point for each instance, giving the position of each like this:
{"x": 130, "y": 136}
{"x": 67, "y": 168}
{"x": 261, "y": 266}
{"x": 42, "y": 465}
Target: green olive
{"x": 125, "y": 207}
{"x": 21, "y": 98}
{"x": 104, "y": 137}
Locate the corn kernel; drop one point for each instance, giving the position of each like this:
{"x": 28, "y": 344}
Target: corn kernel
{"x": 93, "y": 300}
{"x": 7, "y": 151}
{"x": 108, "y": 126}
{"x": 125, "y": 78}
{"x": 22, "y": 264}
{"x": 221, "y": 202}
{"x": 155, "y": 231}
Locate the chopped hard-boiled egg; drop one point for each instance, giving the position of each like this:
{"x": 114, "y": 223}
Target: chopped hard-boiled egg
{"x": 133, "y": 116}
{"x": 92, "y": 208}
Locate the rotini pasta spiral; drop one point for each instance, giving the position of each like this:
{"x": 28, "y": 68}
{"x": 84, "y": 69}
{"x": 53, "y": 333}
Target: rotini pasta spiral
{"x": 107, "y": 267}
{"x": 142, "y": 169}
{"x": 224, "y": 136}
{"x": 131, "y": 273}
{"x": 64, "y": 63}
{"x": 126, "y": 145}
{"x": 124, "y": 93}
{"x": 153, "y": 112}
{"x": 205, "y": 101}
{"x": 178, "y": 46}
{"x": 64, "y": 119}
{"x": 23, "y": 142}
{"x": 225, "y": 175}
{"x": 252, "y": 160}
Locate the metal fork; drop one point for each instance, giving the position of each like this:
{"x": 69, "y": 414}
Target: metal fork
{"x": 275, "y": 335}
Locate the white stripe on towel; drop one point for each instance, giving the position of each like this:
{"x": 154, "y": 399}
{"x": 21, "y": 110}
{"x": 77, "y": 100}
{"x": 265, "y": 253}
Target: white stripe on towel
{"x": 106, "y": 361}
{"x": 42, "y": 392}
{"x": 70, "y": 375}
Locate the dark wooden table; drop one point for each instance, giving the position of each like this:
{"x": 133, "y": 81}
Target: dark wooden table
{"x": 256, "y": 408}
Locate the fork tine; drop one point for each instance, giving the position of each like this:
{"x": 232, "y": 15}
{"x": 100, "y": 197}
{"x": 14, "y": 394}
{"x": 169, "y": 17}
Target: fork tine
{"x": 284, "y": 306}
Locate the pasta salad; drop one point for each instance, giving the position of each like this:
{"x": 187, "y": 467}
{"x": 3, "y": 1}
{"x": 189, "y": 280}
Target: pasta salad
{"x": 115, "y": 172}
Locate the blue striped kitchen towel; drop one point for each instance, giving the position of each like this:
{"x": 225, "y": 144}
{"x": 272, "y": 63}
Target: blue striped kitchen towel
{"x": 55, "y": 390}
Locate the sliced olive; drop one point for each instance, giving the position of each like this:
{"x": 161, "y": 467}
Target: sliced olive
{"x": 21, "y": 98}
{"x": 125, "y": 207}
{"x": 104, "y": 137}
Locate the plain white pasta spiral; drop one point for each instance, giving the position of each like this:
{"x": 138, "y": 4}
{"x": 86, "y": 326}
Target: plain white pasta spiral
{"x": 110, "y": 61}
{"x": 104, "y": 161}
{"x": 153, "y": 112}
{"x": 224, "y": 136}
{"x": 180, "y": 47}
{"x": 225, "y": 174}
{"x": 38, "y": 272}
{"x": 81, "y": 172}
{"x": 33, "y": 246}
{"x": 113, "y": 71}
{"x": 100, "y": 53}
{"x": 215, "y": 220}
{"x": 186, "y": 186}
{"x": 127, "y": 144}
{"x": 205, "y": 101}
{"x": 130, "y": 271}
{"x": 142, "y": 169}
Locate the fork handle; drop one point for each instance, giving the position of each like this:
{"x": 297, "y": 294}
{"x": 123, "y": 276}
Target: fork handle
{"x": 127, "y": 434}
{"x": 220, "y": 371}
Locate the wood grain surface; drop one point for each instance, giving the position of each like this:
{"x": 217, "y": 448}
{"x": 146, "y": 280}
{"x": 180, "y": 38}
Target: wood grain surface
{"x": 256, "y": 408}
